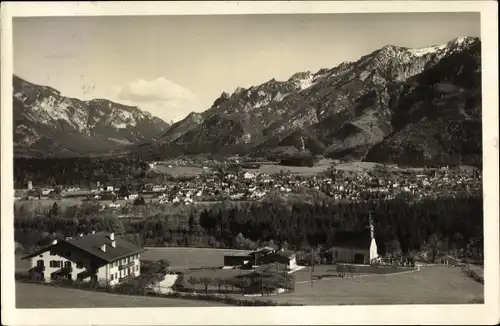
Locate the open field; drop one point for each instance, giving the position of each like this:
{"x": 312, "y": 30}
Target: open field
{"x": 357, "y": 166}
{"x": 429, "y": 285}
{"x": 320, "y": 167}
{"x": 302, "y": 170}
{"x": 63, "y": 203}
{"x": 180, "y": 171}
{"x": 330, "y": 271}
{"x": 31, "y": 205}
{"x": 42, "y": 296}
{"x": 181, "y": 258}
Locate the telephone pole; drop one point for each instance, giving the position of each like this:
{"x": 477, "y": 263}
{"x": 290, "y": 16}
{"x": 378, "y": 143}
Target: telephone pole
{"x": 261, "y": 279}
{"x": 312, "y": 266}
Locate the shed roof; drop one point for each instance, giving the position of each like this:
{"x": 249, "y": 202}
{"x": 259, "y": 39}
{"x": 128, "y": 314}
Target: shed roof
{"x": 359, "y": 240}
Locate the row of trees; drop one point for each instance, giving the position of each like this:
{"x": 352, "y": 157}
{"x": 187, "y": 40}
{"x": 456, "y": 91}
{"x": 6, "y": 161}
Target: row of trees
{"x": 301, "y": 225}
{"x": 266, "y": 281}
{"x": 311, "y": 224}
{"x": 79, "y": 171}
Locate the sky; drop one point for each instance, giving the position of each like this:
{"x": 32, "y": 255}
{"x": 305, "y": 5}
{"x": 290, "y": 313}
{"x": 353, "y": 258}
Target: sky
{"x": 173, "y": 65}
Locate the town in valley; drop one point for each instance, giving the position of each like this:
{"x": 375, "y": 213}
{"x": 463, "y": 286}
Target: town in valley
{"x": 360, "y": 183}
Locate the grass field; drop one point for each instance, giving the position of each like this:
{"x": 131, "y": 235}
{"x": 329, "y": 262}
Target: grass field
{"x": 42, "y": 296}
{"x": 67, "y": 202}
{"x": 302, "y": 170}
{"x": 429, "y": 285}
{"x": 182, "y": 258}
{"x": 180, "y": 171}
{"x": 330, "y": 271}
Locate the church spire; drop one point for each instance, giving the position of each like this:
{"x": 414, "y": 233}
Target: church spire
{"x": 372, "y": 226}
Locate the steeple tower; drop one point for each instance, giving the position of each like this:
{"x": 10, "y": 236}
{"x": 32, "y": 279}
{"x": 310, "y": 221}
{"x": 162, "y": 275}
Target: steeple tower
{"x": 372, "y": 227}
{"x": 373, "y": 243}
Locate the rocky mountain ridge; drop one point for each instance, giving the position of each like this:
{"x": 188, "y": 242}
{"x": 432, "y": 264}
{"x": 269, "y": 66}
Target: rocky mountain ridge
{"x": 367, "y": 109}
{"x": 49, "y": 124}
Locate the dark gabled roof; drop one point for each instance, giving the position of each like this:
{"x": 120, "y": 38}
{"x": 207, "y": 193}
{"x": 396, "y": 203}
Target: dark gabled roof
{"x": 357, "y": 240}
{"x": 38, "y": 252}
{"x": 92, "y": 244}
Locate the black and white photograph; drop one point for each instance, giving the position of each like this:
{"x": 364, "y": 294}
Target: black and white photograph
{"x": 262, "y": 159}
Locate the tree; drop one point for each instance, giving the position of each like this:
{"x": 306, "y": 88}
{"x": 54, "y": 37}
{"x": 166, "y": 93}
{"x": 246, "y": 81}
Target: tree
{"x": 55, "y": 210}
{"x": 243, "y": 283}
{"x": 139, "y": 201}
{"x": 433, "y": 245}
{"x": 191, "y": 222}
{"x": 219, "y": 283}
{"x": 193, "y": 281}
{"x": 206, "y": 281}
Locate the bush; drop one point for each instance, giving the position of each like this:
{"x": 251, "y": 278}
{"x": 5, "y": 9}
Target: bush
{"x": 139, "y": 201}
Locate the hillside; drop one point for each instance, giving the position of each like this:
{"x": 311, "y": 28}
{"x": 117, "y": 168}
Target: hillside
{"x": 356, "y": 110}
{"x": 49, "y": 124}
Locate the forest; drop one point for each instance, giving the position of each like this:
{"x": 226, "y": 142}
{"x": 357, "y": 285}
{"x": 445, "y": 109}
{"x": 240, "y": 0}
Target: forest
{"x": 300, "y": 224}
{"x": 80, "y": 171}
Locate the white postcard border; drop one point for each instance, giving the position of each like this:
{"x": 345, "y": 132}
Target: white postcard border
{"x": 487, "y": 313}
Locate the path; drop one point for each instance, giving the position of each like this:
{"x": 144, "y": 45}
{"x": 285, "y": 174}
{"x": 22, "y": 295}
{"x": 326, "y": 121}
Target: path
{"x": 360, "y": 276}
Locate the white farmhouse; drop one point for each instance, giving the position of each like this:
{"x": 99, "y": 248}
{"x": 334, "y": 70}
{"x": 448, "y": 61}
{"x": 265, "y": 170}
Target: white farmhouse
{"x": 99, "y": 257}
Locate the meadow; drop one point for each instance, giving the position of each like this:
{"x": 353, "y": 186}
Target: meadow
{"x": 30, "y": 296}
{"x": 301, "y": 170}
{"x": 428, "y": 285}
{"x": 181, "y": 171}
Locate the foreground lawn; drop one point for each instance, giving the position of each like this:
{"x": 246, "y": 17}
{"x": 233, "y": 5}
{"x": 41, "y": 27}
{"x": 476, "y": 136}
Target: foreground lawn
{"x": 41, "y": 296}
{"x": 429, "y": 285}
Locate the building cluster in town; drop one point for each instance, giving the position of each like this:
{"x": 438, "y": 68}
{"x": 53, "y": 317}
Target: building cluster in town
{"x": 247, "y": 185}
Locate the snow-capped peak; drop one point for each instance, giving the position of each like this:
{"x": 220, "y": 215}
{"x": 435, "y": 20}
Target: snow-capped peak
{"x": 302, "y": 80}
{"x": 418, "y": 52}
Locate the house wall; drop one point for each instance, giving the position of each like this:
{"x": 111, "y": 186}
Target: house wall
{"x": 293, "y": 262}
{"x": 63, "y": 255}
{"x": 114, "y": 273}
{"x": 76, "y": 258}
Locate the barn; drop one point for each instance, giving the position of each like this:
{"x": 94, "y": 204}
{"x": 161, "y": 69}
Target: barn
{"x": 239, "y": 258}
{"x": 261, "y": 256}
{"x": 354, "y": 248}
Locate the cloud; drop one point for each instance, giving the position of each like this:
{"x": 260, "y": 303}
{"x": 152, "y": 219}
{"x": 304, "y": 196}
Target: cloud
{"x": 158, "y": 90}
{"x": 162, "y": 97}
{"x": 59, "y": 56}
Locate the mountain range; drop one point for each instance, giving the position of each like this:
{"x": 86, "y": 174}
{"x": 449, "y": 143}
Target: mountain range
{"x": 396, "y": 104}
{"x": 49, "y": 124}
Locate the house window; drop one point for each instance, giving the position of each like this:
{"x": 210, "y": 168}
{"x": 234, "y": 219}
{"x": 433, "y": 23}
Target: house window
{"x": 55, "y": 263}
{"x": 40, "y": 256}
{"x": 116, "y": 275}
{"x": 79, "y": 265}
{"x": 112, "y": 277}
{"x": 128, "y": 270}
